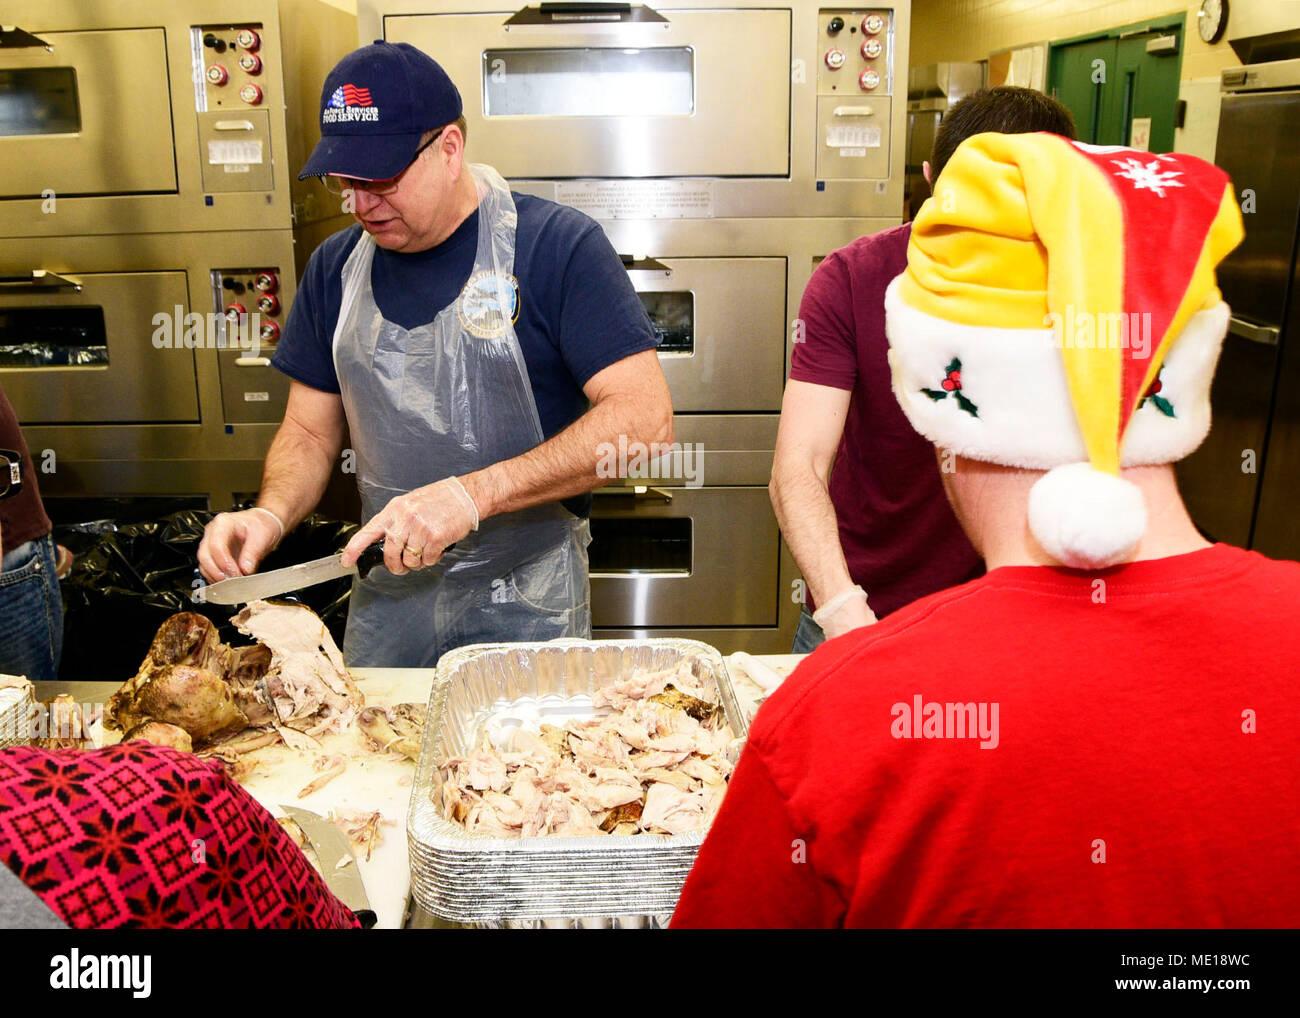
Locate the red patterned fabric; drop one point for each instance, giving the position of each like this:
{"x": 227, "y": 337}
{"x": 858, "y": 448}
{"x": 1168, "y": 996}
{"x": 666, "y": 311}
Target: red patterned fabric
{"x": 138, "y": 835}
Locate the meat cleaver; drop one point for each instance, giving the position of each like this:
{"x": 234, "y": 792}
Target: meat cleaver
{"x": 259, "y": 586}
{"x": 332, "y": 847}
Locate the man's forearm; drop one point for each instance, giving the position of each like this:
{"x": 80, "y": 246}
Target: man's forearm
{"x": 807, "y": 518}
{"x": 567, "y": 464}
{"x": 296, "y": 473}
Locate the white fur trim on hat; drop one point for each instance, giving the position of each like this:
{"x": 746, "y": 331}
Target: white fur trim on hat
{"x": 1086, "y": 519}
{"x": 1015, "y": 380}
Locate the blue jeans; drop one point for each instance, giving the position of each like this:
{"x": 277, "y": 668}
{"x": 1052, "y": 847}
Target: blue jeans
{"x": 31, "y": 612}
{"x": 808, "y": 636}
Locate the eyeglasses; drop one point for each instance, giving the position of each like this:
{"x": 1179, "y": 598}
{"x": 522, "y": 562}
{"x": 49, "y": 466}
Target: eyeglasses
{"x": 11, "y": 473}
{"x": 379, "y": 188}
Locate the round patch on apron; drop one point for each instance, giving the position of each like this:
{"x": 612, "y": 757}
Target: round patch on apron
{"x": 489, "y": 303}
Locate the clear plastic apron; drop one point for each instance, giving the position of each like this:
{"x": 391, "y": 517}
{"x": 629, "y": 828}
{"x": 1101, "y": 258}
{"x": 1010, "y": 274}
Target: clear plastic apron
{"x": 448, "y": 398}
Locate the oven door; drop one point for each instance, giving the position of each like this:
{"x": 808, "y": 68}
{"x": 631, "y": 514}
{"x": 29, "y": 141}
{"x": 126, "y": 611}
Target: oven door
{"x": 683, "y": 557}
{"x": 91, "y": 116}
{"x": 721, "y": 326}
{"x": 79, "y": 348}
{"x": 680, "y": 94}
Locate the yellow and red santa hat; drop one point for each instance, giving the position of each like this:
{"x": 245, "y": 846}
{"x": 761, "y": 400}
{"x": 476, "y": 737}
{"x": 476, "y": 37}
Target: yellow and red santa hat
{"x": 1059, "y": 312}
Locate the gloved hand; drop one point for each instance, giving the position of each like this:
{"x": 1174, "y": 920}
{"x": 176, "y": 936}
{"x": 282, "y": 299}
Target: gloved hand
{"x": 235, "y": 543}
{"x": 844, "y": 612}
{"x": 417, "y": 527}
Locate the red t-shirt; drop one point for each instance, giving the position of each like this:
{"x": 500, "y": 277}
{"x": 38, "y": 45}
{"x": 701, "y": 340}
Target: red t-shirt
{"x": 1147, "y": 716}
{"x": 900, "y": 537}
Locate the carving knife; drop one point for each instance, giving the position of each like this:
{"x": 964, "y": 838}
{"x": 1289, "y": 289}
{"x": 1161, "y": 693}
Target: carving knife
{"x": 331, "y": 846}
{"x": 259, "y": 586}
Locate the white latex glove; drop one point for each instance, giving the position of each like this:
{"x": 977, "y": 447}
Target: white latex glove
{"x": 844, "y": 612}
{"x": 234, "y": 544}
{"x": 417, "y": 527}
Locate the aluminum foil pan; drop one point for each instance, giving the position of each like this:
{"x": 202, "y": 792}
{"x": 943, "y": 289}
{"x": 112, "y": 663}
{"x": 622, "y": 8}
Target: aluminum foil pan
{"x": 616, "y": 880}
{"x": 16, "y": 709}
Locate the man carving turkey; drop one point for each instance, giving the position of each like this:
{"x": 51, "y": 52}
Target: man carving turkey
{"x": 457, "y": 334}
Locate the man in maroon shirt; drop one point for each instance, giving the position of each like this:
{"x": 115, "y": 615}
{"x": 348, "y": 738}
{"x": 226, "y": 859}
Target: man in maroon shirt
{"x": 879, "y": 520}
{"x": 1100, "y": 732}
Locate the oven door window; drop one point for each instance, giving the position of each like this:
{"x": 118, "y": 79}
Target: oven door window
{"x": 58, "y": 337}
{"x": 634, "y": 547}
{"x": 589, "y": 82}
{"x": 673, "y": 318}
{"x": 39, "y": 100}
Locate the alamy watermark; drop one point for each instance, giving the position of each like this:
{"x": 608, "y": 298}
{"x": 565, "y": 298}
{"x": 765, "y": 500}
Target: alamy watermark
{"x": 178, "y": 330}
{"x": 656, "y": 461}
{"x": 934, "y": 720}
{"x": 1084, "y": 330}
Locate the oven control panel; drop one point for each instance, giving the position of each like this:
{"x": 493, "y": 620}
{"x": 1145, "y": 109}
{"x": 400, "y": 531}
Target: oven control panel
{"x": 855, "y": 83}
{"x": 251, "y": 305}
{"x": 231, "y": 83}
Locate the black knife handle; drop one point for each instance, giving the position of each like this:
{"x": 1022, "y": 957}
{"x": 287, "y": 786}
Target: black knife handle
{"x": 368, "y": 559}
{"x": 374, "y": 556}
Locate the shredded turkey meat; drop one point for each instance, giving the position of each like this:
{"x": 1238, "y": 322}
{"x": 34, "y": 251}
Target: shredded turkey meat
{"x": 656, "y": 760}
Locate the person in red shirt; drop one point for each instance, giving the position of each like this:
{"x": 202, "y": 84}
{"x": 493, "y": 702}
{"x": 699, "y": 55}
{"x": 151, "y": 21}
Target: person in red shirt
{"x": 1104, "y": 730}
{"x": 879, "y": 520}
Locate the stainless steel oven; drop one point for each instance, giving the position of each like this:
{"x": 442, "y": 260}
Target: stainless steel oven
{"x": 721, "y": 329}
{"x": 724, "y": 148}
{"x": 1240, "y": 485}
{"x": 126, "y": 116}
{"x": 690, "y": 108}
{"x": 130, "y": 365}
{"x": 150, "y": 224}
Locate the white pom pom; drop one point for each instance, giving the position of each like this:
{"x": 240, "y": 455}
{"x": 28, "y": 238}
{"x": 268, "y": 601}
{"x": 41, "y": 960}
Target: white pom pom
{"x": 1086, "y": 519}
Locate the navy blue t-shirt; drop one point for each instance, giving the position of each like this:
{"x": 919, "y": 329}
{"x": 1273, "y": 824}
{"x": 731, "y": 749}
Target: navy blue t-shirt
{"x": 578, "y": 312}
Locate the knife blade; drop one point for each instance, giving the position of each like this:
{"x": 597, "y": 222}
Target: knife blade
{"x": 332, "y": 845}
{"x": 242, "y": 589}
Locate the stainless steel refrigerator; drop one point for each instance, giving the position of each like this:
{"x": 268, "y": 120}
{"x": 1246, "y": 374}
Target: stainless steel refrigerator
{"x": 1243, "y": 485}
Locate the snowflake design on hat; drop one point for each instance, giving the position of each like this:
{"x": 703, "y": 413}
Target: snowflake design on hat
{"x": 1147, "y": 176}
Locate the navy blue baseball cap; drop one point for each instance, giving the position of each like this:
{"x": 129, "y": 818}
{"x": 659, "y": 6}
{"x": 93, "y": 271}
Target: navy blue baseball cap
{"x": 376, "y": 103}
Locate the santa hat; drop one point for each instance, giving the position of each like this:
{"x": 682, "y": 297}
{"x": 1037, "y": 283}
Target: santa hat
{"x": 1059, "y": 312}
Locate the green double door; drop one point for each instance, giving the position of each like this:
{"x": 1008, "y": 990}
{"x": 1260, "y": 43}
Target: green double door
{"x": 1110, "y": 81}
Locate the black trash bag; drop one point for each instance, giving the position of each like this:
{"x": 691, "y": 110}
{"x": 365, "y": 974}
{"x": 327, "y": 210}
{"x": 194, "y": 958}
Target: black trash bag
{"x": 128, "y": 579}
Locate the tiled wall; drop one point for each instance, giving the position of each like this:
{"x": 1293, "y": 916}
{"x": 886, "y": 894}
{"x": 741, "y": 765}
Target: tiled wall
{"x": 945, "y": 30}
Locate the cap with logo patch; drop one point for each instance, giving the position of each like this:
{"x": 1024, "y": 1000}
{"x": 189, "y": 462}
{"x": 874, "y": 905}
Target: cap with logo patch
{"x": 375, "y": 105}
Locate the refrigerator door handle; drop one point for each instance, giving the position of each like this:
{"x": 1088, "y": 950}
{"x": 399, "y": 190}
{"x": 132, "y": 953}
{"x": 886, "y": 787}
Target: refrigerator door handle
{"x": 1266, "y": 334}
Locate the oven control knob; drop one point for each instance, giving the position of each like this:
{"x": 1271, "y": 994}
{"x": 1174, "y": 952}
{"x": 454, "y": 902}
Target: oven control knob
{"x": 868, "y": 80}
{"x": 270, "y": 332}
{"x": 268, "y": 304}
{"x": 217, "y": 74}
{"x": 835, "y": 26}
{"x": 248, "y": 40}
{"x": 265, "y": 282}
{"x": 834, "y": 59}
{"x": 236, "y": 311}
{"x": 871, "y": 48}
{"x": 251, "y": 94}
{"x": 250, "y": 63}
{"x": 872, "y": 24}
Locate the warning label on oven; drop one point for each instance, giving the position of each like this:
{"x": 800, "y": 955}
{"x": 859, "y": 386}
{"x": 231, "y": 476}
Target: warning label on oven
{"x": 237, "y": 153}
{"x": 638, "y": 199}
{"x": 844, "y": 137}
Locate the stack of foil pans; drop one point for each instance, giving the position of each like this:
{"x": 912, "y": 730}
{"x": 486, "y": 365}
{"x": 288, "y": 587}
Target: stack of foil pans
{"x": 16, "y": 710}
{"x": 616, "y": 880}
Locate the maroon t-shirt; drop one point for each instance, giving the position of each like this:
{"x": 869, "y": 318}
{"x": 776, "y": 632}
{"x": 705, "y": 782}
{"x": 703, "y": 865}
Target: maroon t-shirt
{"x": 899, "y": 535}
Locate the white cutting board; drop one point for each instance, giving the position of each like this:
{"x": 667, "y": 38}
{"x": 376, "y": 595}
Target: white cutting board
{"x": 371, "y": 782}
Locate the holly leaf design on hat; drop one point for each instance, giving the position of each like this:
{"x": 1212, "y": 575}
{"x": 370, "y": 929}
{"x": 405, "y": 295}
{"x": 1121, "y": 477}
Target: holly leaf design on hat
{"x": 1152, "y": 394}
{"x": 951, "y": 384}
